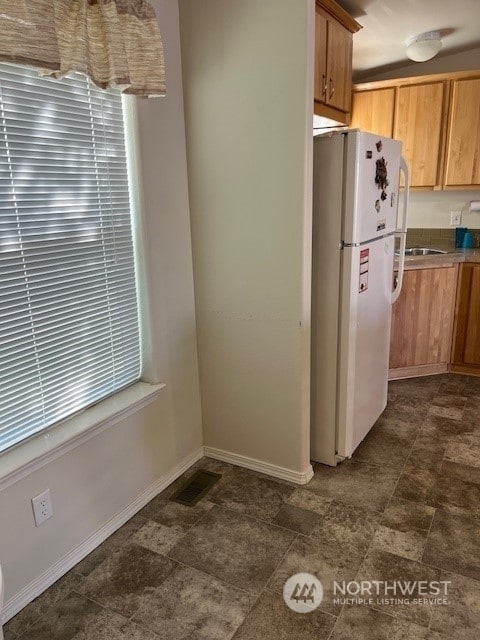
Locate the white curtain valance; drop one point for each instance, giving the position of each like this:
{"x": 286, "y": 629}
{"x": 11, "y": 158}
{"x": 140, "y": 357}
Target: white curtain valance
{"x": 116, "y": 43}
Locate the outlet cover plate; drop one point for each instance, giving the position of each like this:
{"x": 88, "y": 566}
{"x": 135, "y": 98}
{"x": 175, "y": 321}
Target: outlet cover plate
{"x": 42, "y": 507}
{"x": 455, "y": 218}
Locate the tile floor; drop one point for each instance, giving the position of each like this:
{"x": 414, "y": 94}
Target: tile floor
{"x": 406, "y": 507}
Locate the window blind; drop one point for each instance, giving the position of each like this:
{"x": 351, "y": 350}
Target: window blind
{"x": 68, "y": 311}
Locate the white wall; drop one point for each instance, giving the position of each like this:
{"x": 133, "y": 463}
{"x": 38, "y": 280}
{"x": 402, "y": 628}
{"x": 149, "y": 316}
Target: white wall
{"x": 97, "y": 480}
{"x": 247, "y": 69}
{"x": 464, "y": 61}
{"x": 432, "y": 209}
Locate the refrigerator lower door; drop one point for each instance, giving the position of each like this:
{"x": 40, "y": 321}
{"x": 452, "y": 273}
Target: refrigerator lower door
{"x": 364, "y": 341}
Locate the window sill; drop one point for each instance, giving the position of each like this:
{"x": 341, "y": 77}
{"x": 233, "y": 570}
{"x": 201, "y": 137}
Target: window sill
{"x": 18, "y": 462}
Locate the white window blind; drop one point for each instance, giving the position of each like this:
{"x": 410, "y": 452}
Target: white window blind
{"x": 68, "y": 304}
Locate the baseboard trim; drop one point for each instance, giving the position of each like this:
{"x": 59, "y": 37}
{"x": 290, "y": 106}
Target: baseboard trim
{"x": 260, "y": 466}
{"x": 417, "y": 371}
{"x": 56, "y": 571}
{"x": 465, "y": 369}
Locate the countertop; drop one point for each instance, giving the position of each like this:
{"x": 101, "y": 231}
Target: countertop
{"x": 448, "y": 259}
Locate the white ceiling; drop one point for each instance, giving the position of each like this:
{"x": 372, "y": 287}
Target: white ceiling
{"x": 388, "y": 24}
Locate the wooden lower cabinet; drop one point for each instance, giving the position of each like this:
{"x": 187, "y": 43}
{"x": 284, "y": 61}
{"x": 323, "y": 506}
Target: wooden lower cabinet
{"x": 466, "y": 345}
{"x": 422, "y": 323}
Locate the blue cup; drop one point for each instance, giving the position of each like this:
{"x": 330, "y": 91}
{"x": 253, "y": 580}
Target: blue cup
{"x": 467, "y": 240}
{"x": 459, "y": 233}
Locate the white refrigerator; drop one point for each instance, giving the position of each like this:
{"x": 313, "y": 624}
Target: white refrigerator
{"x": 355, "y": 280}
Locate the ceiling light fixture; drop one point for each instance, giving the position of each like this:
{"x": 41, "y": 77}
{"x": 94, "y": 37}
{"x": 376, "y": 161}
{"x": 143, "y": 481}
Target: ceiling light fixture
{"x": 424, "y": 47}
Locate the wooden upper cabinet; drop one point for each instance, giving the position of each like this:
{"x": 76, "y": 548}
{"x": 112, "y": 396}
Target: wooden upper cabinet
{"x": 339, "y": 66}
{"x": 373, "y": 111}
{"x": 320, "y": 57}
{"x": 462, "y": 168}
{"x": 418, "y": 124}
{"x": 437, "y": 118}
{"x": 333, "y": 60}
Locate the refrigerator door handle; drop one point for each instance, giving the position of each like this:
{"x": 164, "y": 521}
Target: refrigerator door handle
{"x": 402, "y": 232}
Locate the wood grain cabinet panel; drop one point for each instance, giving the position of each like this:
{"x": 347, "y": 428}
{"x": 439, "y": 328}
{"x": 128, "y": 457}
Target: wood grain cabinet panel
{"x": 320, "y": 86}
{"x": 418, "y": 124}
{"x": 466, "y": 348}
{"x": 472, "y": 333}
{"x": 463, "y": 144}
{"x": 339, "y": 67}
{"x": 437, "y": 118}
{"x": 373, "y": 111}
{"x": 333, "y": 61}
{"x": 422, "y": 321}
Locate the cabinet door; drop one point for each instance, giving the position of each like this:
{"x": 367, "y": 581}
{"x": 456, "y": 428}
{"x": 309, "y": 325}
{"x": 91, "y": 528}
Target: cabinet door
{"x": 422, "y": 318}
{"x": 320, "y": 57}
{"x": 466, "y": 349}
{"x": 373, "y": 111}
{"x": 418, "y": 124}
{"x": 339, "y": 66}
{"x": 463, "y": 144}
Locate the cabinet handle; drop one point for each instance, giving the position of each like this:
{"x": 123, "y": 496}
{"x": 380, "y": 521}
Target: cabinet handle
{"x": 324, "y": 83}
{"x": 332, "y": 88}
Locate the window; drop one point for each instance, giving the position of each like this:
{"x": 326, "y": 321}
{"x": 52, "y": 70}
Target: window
{"x": 69, "y": 332}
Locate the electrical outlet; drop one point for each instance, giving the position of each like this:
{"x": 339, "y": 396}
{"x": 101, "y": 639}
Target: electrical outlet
{"x": 455, "y": 218}
{"x": 42, "y": 507}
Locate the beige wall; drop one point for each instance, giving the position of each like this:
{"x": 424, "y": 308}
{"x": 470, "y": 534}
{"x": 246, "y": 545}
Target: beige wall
{"x": 94, "y": 482}
{"x": 432, "y": 209}
{"x": 248, "y": 105}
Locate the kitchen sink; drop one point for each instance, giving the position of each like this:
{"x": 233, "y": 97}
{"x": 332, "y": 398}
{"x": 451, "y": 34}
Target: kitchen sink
{"x": 423, "y": 251}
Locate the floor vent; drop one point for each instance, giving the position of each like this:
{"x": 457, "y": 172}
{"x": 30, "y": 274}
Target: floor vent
{"x": 196, "y": 487}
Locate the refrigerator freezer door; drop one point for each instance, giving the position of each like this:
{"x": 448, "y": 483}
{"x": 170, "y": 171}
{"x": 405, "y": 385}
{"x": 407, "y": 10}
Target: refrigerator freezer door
{"x": 364, "y": 340}
{"x": 372, "y": 166}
